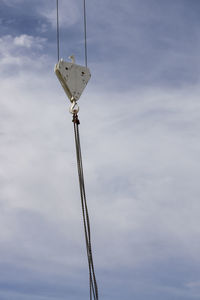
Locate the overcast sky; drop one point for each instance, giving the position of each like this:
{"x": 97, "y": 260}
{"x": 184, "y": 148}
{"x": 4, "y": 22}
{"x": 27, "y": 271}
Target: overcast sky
{"x": 140, "y": 124}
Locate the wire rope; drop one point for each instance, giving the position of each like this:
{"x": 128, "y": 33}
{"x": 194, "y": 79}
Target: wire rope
{"x": 85, "y": 30}
{"x": 58, "y": 33}
{"x": 86, "y": 221}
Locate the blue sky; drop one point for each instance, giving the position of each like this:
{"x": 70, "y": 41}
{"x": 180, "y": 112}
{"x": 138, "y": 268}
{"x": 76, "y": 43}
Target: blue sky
{"x": 140, "y": 141}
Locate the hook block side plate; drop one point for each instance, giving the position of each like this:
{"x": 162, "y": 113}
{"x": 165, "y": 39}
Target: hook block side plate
{"x": 73, "y": 78}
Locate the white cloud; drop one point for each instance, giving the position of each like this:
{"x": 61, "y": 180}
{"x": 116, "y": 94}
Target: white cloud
{"x": 149, "y": 155}
{"x": 138, "y": 164}
{"x": 9, "y": 44}
{"x": 18, "y": 52}
{"x": 28, "y": 41}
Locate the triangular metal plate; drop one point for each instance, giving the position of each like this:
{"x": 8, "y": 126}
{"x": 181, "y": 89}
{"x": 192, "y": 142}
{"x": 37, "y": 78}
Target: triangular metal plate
{"x": 73, "y": 78}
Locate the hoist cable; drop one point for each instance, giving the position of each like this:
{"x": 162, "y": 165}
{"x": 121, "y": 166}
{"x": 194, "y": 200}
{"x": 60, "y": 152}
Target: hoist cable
{"x": 58, "y": 34}
{"x": 92, "y": 278}
{"x": 86, "y": 221}
{"x": 88, "y": 238}
{"x": 85, "y": 31}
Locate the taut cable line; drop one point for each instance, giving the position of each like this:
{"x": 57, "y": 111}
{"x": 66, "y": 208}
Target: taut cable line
{"x": 58, "y": 33}
{"x": 86, "y": 221}
{"x": 74, "y": 79}
{"x": 85, "y": 31}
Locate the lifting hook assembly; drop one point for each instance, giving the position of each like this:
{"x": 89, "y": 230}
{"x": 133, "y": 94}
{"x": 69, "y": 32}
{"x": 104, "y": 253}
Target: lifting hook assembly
{"x": 73, "y": 78}
{"x": 74, "y": 108}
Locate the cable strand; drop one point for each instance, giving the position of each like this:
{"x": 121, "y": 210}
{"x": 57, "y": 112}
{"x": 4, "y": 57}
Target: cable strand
{"x": 58, "y": 37}
{"x": 86, "y": 215}
{"x": 86, "y": 221}
{"x": 85, "y": 30}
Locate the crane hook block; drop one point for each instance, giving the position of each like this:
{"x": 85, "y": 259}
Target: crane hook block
{"x": 72, "y": 77}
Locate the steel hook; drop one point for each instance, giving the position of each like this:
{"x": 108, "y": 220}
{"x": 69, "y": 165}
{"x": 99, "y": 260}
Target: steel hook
{"x": 74, "y": 108}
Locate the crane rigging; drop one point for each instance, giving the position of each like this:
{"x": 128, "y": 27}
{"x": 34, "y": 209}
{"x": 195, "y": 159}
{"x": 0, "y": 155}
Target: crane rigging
{"x": 74, "y": 79}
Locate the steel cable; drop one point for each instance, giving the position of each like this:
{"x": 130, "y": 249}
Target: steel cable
{"x": 58, "y": 34}
{"x": 85, "y": 31}
{"x": 86, "y": 221}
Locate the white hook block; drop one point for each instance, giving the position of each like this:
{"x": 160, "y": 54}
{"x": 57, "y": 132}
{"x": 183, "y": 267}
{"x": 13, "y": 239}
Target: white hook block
{"x": 73, "y": 78}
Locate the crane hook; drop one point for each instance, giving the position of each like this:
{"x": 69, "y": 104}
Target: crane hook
{"x": 74, "y": 108}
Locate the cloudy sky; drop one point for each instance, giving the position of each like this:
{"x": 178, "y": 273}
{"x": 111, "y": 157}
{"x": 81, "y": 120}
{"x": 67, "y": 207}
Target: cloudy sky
{"x": 139, "y": 128}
